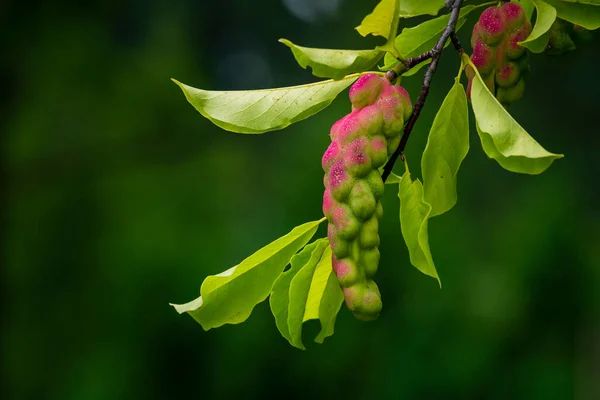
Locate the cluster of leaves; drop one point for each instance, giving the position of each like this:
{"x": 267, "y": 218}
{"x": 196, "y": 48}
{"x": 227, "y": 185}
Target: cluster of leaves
{"x": 308, "y": 289}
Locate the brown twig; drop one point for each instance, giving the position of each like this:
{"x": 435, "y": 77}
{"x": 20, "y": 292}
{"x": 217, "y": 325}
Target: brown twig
{"x": 435, "y": 55}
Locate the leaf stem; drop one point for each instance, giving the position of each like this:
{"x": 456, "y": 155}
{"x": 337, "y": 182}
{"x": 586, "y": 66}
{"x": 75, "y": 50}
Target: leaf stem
{"x": 435, "y": 55}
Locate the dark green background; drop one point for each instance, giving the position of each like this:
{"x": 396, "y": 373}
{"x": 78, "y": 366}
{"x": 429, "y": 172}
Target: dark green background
{"x": 118, "y": 197}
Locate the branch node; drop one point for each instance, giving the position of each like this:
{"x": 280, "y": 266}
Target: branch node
{"x": 435, "y": 54}
{"x": 391, "y": 75}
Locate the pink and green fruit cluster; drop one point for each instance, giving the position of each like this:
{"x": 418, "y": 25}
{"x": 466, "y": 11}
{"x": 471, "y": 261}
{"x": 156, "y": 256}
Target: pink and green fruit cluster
{"x": 361, "y": 143}
{"x": 501, "y": 62}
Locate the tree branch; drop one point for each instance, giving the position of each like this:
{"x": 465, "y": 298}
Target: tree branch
{"x": 456, "y": 43}
{"x": 435, "y": 55}
{"x": 405, "y": 65}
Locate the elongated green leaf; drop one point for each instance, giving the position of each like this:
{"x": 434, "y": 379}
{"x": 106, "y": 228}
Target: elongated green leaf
{"x": 298, "y": 294}
{"x": 280, "y": 294}
{"x": 259, "y": 111}
{"x": 229, "y": 297}
{"x": 412, "y": 8}
{"x": 329, "y": 63}
{"x": 330, "y": 300}
{"x": 417, "y": 40}
{"x": 502, "y": 138}
{"x": 325, "y": 297}
{"x": 414, "y": 215}
{"x": 306, "y": 295}
{"x": 381, "y": 21}
{"x": 538, "y": 39}
{"x": 585, "y": 13}
{"x": 315, "y": 294}
{"x": 447, "y": 146}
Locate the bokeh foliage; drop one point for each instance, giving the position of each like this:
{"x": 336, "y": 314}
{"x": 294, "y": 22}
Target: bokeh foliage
{"x": 118, "y": 198}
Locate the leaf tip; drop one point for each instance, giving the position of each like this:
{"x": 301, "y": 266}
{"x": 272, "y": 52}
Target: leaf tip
{"x": 187, "y": 307}
{"x": 359, "y": 29}
{"x": 299, "y": 346}
{"x": 181, "y": 85}
{"x": 178, "y": 308}
{"x": 435, "y": 276}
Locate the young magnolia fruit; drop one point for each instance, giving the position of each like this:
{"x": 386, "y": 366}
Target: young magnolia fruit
{"x": 361, "y": 142}
{"x": 581, "y": 34}
{"x": 560, "y": 38}
{"x": 501, "y": 62}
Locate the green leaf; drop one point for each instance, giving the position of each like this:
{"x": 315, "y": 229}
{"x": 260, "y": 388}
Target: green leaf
{"x": 412, "y": 8}
{"x": 381, "y": 21}
{"x": 393, "y": 179}
{"x": 414, "y": 215}
{"x": 259, "y": 111}
{"x": 417, "y": 40}
{"x": 447, "y": 146}
{"x": 585, "y": 2}
{"x": 229, "y": 297}
{"x": 325, "y": 297}
{"x": 312, "y": 295}
{"x": 298, "y": 294}
{"x": 502, "y": 138}
{"x": 538, "y": 39}
{"x": 329, "y": 63}
{"x": 280, "y": 294}
{"x": 585, "y": 13}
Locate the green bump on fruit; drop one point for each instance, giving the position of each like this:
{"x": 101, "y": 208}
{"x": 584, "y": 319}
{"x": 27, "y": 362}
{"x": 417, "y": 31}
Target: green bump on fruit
{"x": 368, "y": 236}
{"x": 339, "y": 181}
{"x": 345, "y": 222}
{"x": 357, "y": 159}
{"x": 346, "y": 271}
{"x": 378, "y": 151}
{"x": 371, "y": 120}
{"x": 379, "y": 211}
{"x": 508, "y": 75}
{"x": 511, "y": 94}
{"x": 375, "y": 183}
{"x": 393, "y": 116}
{"x": 340, "y": 247}
{"x": 362, "y": 201}
{"x": 366, "y": 90}
{"x": 393, "y": 143}
{"x": 364, "y": 300}
{"x": 369, "y": 258}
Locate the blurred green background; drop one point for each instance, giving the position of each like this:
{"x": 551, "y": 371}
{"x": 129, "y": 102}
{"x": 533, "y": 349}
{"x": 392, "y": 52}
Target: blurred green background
{"x": 117, "y": 198}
